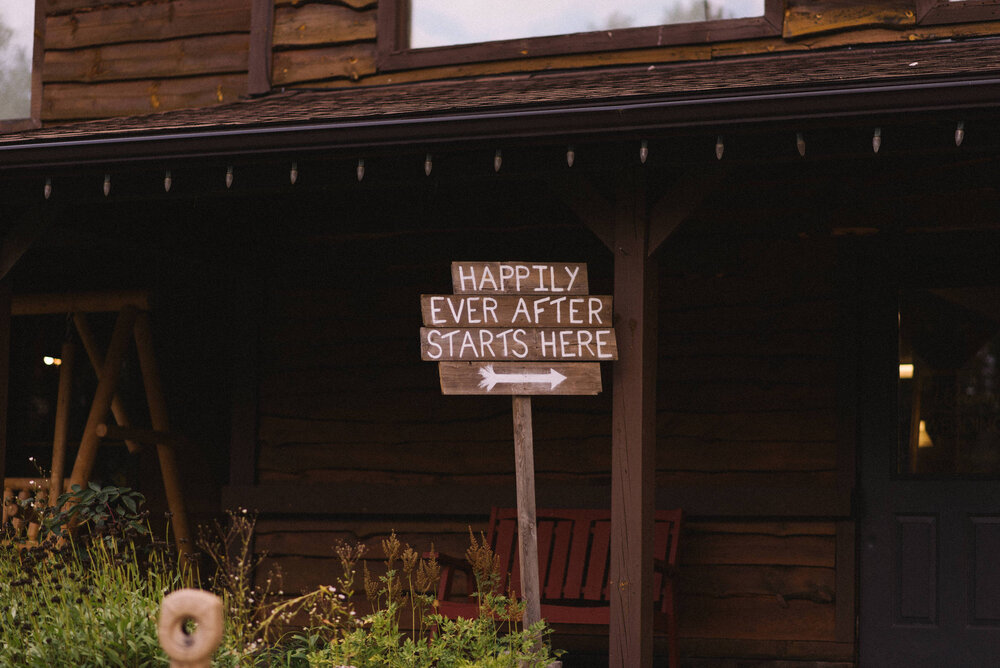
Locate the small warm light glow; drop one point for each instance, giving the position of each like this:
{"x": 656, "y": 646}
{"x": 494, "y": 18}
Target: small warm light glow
{"x": 906, "y": 371}
{"x": 51, "y": 361}
{"x": 924, "y": 439}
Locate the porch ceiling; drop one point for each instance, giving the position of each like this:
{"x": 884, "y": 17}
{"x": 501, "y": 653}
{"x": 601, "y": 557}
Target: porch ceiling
{"x": 825, "y": 85}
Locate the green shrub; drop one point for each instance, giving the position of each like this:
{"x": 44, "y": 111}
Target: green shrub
{"x": 92, "y": 598}
{"x": 82, "y": 606}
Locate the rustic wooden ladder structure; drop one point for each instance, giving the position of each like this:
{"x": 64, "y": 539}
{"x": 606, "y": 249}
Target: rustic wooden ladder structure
{"x": 132, "y": 322}
{"x": 574, "y": 550}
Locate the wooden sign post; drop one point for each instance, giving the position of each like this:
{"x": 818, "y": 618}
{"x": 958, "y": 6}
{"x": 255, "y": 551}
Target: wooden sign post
{"x": 519, "y": 328}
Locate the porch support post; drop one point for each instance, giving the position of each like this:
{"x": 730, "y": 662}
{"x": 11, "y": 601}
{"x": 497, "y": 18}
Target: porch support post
{"x": 633, "y": 430}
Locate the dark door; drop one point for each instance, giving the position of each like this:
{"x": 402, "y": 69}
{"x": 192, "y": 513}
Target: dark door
{"x": 929, "y": 432}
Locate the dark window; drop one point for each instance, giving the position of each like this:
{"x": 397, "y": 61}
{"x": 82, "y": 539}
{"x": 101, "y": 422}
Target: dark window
{"x": 423, "y": 33}
{"x": 949, "y": 381}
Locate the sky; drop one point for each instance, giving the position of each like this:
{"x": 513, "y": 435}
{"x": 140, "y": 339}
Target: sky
{"x": 440, "y": 22}
{"x": 19, "y": 15}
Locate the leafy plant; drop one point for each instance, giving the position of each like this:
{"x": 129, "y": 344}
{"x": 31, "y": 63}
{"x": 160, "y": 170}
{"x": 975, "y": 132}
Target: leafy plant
{"x": 75, "y": 606}
{"x": 493, "y": 639}
{"x": 108, "y": 510}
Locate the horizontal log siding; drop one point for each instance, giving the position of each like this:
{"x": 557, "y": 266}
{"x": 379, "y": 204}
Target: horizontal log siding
{"x": 747, "y": 398}
{"x": 115, "y": 59}
{"x": 331, "y": 43}
{"x": 323, "y": 42}
{"x": 749, "y": 585}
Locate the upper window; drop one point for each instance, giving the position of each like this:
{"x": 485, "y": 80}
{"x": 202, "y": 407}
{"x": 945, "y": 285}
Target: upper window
{"x": 17, "y": 57}
{"x": 422, "y": 33}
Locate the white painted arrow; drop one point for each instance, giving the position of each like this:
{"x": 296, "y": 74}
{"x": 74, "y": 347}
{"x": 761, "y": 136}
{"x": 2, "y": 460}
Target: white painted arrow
{"x": 491, "y": 378}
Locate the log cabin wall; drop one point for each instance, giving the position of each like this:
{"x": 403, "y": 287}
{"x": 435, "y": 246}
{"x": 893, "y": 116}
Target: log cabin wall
{"x": 748, "y": 406}
{"x": 123, "y": 58}
{"x": 333, "y": 43}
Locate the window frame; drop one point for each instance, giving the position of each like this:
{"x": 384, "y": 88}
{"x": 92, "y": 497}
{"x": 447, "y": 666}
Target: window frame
{"x": 37, "y": 59}
{"x": 395, "y": 54}
{"x": 934, "y": 12}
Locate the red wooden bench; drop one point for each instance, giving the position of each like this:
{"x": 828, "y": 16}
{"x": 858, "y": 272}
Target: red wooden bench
{"x": 574, "y": 549}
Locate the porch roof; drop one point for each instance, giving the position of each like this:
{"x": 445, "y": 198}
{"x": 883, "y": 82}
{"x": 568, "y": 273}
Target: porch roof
{"x": 926, "y": 77}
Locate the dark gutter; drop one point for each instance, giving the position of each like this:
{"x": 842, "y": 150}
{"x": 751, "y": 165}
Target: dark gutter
{"x": 579, "y": 120}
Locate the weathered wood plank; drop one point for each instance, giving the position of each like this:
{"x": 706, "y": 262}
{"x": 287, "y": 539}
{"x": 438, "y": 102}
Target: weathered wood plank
{"x": 788, "y": 583}
{"x": 695, "y": 454}
{"x": 512, "y": 277}
{"x": 718, "y": 650}
{"x": 119, "y": 98}
{"x": 520, "y": 344}
{"x": 784, "y": 529}
{"x": 817, "y": 16}
{"x": 400, "y": 404}
{"x": 683, "y": 53}
{"x": 795, "y": 426}
{"x": 356, "y": 4}
{"x": 815, "y": 315}
{"x": 336, "y": 62}
{"x": 455, "y": 425}
{"x": 174, "y": 58}
{"x": 514, "y": 378}
{"x": 61, "y": 6}
{"x": 821, "y": 485}
{"x": 314, "y": 24}
{"x": 323, "y": 543}
{"x": 517, "y": 311}
{"x": 259, "y": 53}
{"x": 633, "y": 445}
{"x": 755, "y": 617}
{"x": 146, "y": 22}
{"x": 819, "y": 371}
{"x": 760, "y": 549}
{"x": 770, "y": 343}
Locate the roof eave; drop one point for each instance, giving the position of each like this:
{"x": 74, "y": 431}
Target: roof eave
{"x": 718, "y": 110}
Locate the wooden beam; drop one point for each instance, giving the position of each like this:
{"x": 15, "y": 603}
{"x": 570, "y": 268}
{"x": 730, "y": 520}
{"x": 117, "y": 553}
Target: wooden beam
{"x": 108, "y": 381}
{"x": 681, "y": 200}
{"x": 144, "y": 436}
{"x": 590, "y": 206}
{"x": 259, "y": 58}
{"x": 633, "y": 435}
{"x": 527, "y": 529}
{"x": 161, "y": 423}
{"x": 79, "y": 302}
{"x": 64, "y": 396}
{"x": 97, "y": 361}
{"x": 4, "y": 369}
{"x": 459, "y": 499}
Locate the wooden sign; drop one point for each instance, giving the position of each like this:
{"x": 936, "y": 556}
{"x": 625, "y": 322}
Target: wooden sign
{"x": 502, "y": 316}
{"x": 516, "y": 311}
{"x": 519, "y": 378}
{"x": 519, "y": 277}
{"x": 543, "y": 343}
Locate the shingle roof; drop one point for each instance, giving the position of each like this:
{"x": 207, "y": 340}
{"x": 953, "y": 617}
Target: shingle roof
{"x": 869, "y": 66}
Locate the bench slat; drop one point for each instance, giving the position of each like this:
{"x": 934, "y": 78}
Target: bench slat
{"x": 557, "y": 563}
{"x": 594, "y": 588}
{"x": 577, "y": 559}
